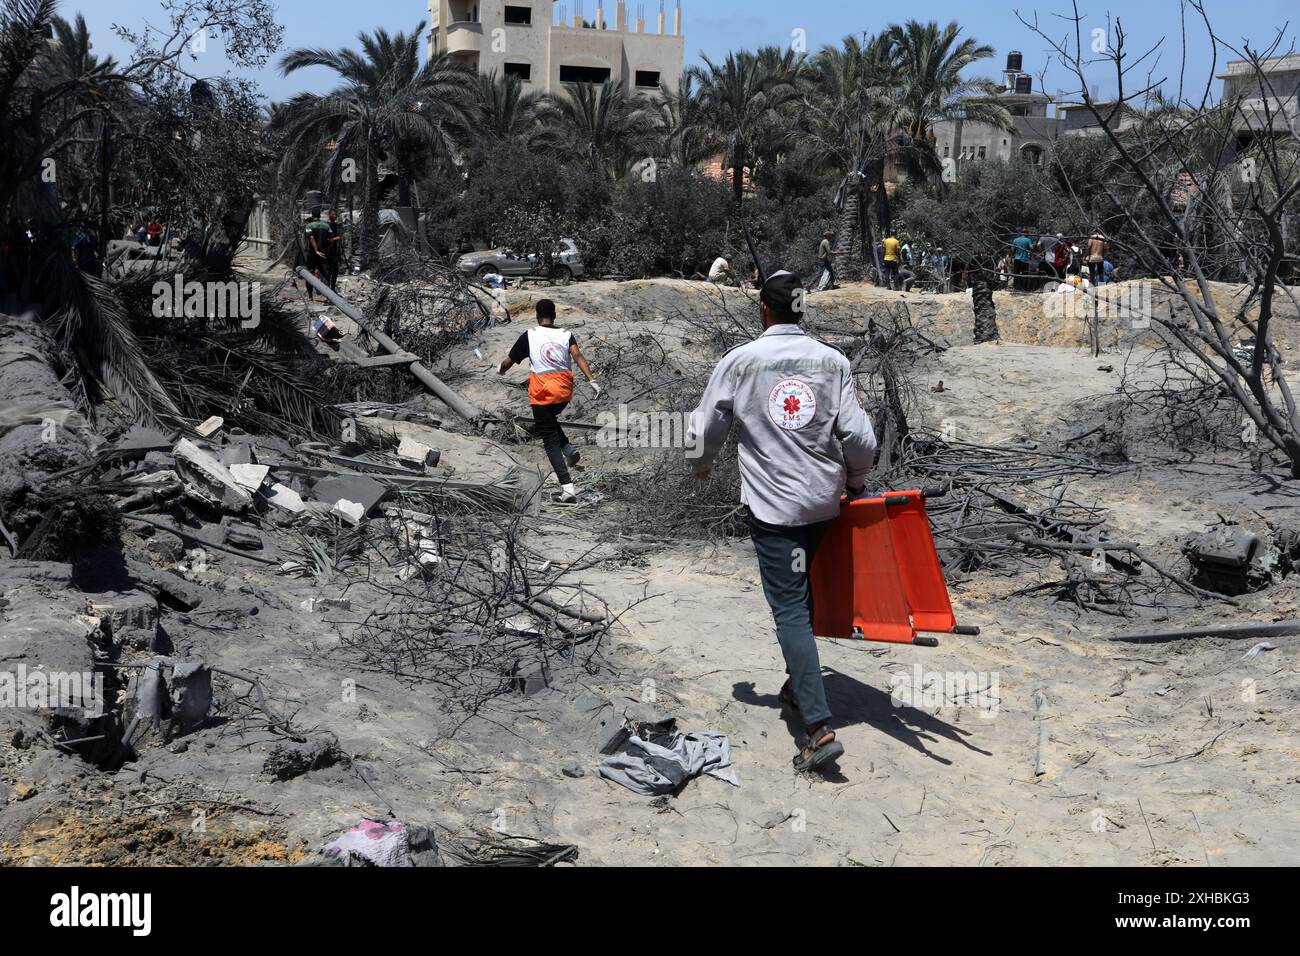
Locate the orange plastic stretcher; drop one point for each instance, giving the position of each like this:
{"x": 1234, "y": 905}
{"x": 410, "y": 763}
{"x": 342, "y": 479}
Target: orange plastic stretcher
{"x": 877, "y": 577}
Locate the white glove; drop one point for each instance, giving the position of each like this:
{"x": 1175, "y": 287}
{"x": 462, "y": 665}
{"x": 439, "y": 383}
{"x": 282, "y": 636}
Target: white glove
{"x": 595, "y": 388}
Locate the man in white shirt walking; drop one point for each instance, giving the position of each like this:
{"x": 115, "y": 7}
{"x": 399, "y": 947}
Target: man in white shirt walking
{"x": 804, "y": 438}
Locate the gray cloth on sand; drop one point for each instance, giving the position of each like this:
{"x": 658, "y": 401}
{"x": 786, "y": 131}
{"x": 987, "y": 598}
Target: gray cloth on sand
{"x": 651, "y": 770}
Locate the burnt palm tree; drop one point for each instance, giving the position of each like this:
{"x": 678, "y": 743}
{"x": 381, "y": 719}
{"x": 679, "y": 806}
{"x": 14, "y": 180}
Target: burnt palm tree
{"x": 49, "y": 95}
{"x": 848, "y": 114}
{"x": 388, "y": 109}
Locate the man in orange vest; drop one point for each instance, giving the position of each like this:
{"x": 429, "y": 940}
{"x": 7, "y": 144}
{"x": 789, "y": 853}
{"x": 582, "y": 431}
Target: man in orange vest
{"x": 551, "y": 353}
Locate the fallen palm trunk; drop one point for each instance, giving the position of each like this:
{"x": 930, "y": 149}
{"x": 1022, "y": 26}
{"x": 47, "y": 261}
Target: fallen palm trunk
{"x": 1108, "y": 549}
{"x": 41, "y": 437}
{"x": 465, "y": 409}
{"x": 1232, "y": 631}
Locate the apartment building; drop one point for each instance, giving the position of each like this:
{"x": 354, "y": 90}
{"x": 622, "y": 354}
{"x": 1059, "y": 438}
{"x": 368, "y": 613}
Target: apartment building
{"x": 1267, "y": 95}
{"x": 536, "y": 41}
{"x": 959, "y": 141}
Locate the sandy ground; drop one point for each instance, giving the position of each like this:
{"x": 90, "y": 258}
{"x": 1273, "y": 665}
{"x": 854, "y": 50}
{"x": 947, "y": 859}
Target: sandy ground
{"x": 1159, "y": 754}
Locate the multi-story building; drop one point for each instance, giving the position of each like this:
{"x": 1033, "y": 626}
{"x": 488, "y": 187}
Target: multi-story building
{"x": 535, "y": 41}
{"x": 1269, "y": 91}
{"x": 959, "y": 141}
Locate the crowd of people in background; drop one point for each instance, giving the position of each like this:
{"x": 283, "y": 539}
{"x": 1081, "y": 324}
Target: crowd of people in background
{"x": 1051, "y": 260}
{"x": 1035, "y": 261}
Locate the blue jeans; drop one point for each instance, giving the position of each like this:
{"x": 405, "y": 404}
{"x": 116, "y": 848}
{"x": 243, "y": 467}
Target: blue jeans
{"x": 785, "y": 557}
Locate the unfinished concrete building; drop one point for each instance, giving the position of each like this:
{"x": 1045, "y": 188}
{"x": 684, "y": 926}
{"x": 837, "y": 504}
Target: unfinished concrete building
{"x": 959, "y": 141}
{"x": 1267, "y": 93}
{"x": 536, "y": 41}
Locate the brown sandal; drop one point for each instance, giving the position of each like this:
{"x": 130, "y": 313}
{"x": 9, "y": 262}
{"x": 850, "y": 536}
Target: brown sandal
{"x": 819, "y": 749}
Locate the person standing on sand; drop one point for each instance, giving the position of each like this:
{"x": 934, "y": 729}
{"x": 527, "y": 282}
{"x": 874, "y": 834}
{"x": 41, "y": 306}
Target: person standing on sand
{"x": 550, "y": 353}
{"x": 892, "y": 249}
{"x": 1021, "y": 247}
{"x": 824, "y": 261}
{"x": 1097, "y": 250}
{"x": 804, "y": 439}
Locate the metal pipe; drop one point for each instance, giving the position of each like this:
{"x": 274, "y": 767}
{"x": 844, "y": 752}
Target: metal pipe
{"x": 465, "y": 409}
{"x": 1234, "y": 631}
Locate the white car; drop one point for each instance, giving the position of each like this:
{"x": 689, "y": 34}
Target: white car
{"x": 568, "y": 264}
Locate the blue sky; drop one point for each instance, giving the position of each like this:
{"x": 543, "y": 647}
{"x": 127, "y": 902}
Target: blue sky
{"x": 713, "y": 27}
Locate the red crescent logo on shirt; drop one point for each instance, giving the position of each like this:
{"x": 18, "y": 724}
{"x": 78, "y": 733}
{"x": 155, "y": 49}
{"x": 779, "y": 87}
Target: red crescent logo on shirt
{"x": 553, "y": 354}
{"x": 792, "y": 405}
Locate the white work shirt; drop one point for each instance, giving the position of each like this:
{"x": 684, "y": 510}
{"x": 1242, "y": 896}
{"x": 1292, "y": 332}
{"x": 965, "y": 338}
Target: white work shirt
{"x": 803, "y": 433}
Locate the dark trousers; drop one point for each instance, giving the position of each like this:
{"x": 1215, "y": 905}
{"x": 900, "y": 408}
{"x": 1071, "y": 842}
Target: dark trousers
{"x": 1019, "y": 274}
{"x": 316, "y": 265}
{"x": 828, "y": 268}
{"x": 785, "y": 557}
{"x": 547, "y": 419}
{"x": 891, "y": 274}
{"x": 332, "y": 272}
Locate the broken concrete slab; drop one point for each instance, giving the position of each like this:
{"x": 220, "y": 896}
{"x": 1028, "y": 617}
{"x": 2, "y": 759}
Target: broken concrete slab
{"x": 237, "y": 453}
{"x": 350, "y": 511}
{"x": 139, "y": 440}
{"x": 170, "y": 588}
{"x": 250, "y": 477}
{"x": 17, "y": 571}
{"x": 241, "y": 536}
{"x": 217, "y": 483}
{"x": 211, "y": 426}
{"x": 364, "y": 491}
{"x": 284, "y": 497}
{"x": 411, "y": 450}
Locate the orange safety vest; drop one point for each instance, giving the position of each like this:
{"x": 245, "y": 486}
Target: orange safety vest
{"x": 550, "y": 380}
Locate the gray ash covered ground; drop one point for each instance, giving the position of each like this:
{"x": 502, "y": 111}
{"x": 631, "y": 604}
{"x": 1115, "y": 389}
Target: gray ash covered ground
{"x": 1180, "y": 753}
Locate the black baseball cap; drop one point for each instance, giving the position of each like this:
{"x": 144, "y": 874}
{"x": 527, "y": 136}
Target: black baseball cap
{"x": 781, "y": 291}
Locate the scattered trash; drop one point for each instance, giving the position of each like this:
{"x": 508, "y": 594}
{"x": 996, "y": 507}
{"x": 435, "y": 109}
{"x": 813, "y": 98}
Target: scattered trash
{"x": 651, "y": 769}
{"x": 372, "y": 843}
{"x": 1223, "y": 558}
{"x": 326, "y": 604}
{"x": 286, "y": 761}
{"x": 325, "y": 329}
